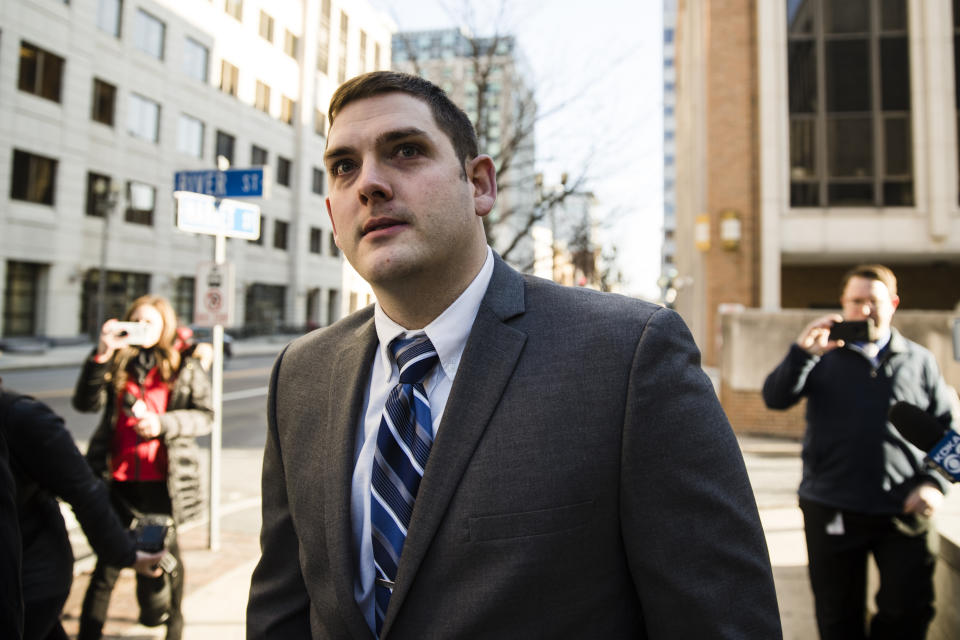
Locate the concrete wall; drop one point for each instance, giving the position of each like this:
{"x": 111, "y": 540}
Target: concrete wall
{"x": 753, "y": 342}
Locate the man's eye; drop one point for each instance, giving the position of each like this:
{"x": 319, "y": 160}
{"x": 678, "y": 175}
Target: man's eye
{"x": 408, "y": 151}
{"x": 341, "y": 167}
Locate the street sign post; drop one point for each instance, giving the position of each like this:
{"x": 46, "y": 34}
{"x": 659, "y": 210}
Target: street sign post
{"x": 199, "y": 213}
{"x": 202, "y": 207}
{"x": 213, "y": 299}
{"x": 232, "y": 183}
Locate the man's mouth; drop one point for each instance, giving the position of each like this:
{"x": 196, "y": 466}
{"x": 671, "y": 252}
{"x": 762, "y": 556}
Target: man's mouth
{"x": 376, "y": 224}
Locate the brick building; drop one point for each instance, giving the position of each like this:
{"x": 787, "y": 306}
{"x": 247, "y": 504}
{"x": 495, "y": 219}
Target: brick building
{"x": 813, "y": 135}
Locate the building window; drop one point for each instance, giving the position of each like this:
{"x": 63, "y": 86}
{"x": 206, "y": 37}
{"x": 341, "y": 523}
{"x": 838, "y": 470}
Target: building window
{"x": 280, "y": 229}
{"x": 263, "y": 229}
{"x": 143, "y": 118}
{"x": 108, "y": 16}
{"x": 287, "y": 109}
{"x": 234, "y": 9}
{"x": 148, "y": 34}
{"x": 333, "y": 306}
{"x": 41, "y": 72}
{"x": 262, "y": 101}
{"x": 319, "y": 122}
{"x": 849, "y": 103}
{"x": 263, "y": 307}
{"x": 334, "y": 249}
{"x": 318, "y": 181}
{"x": 323, "y": 39}
{"x": 21, "y": 298}
{"x": 956, "y": 64}
{"x": 98, "y": 192}
{"x": 283, "y": 171}
{"x": 344, "y": 30}
{"x": 183, "y": 294}
{"x": 141, "y": 201}
{"x": 225, "y": 144}
{"x": 363, "y": 51}
{"x": 190, "y": 136}
{"x": 229, "y": 78}
{"x": 316, "y": 240}
{"x": 123, "y": 287}
{"x": 258, "y": 156}
{"x": 290, "y": 44}
{"x": 376, "y": 56}
{"x": 266, "y": 27}
{"x": 34, "y": 178}
{"x": 196, "y": 59}
{"x": 104, "y": 101}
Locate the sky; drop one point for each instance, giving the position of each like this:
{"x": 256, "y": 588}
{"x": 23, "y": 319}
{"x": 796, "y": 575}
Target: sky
{"x": 597, "y": 69}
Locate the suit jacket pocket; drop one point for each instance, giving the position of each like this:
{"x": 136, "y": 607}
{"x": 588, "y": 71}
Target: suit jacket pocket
{"x": 530, "y": 523}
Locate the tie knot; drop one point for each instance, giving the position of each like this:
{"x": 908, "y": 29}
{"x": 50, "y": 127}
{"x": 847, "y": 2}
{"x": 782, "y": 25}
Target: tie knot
{"x": 415, "y": 358}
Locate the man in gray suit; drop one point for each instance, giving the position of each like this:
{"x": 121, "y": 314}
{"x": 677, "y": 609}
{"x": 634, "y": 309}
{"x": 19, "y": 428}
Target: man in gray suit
{"x": 483, "y": 454}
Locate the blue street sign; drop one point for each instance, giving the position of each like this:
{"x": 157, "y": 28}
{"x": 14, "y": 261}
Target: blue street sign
{"x": 232, "y": 183}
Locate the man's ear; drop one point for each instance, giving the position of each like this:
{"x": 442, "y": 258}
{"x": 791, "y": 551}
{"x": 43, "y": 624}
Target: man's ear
{"x": 895, "y": 301}
{"x": 333, "y": 224}
{"x": 482, "y": 174}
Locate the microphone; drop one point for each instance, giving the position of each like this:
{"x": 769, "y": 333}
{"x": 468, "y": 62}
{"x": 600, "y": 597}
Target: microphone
{"x": 926, "y": 433}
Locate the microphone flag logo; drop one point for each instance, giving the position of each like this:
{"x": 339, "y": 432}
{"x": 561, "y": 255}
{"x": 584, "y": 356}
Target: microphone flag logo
{"x": 946, "y": 456}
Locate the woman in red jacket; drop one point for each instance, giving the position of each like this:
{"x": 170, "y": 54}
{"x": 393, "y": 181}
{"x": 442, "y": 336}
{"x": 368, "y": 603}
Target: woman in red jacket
{"x": 155, "y": 403}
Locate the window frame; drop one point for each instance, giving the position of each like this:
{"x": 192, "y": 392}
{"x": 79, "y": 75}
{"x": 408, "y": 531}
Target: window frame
{"x": 98, "y": 101}
{"x": 44, "y": 76}
{"x": 25, "y": 188}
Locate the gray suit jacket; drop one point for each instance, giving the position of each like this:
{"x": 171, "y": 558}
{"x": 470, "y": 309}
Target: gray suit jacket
{"x": 584, "y": 483}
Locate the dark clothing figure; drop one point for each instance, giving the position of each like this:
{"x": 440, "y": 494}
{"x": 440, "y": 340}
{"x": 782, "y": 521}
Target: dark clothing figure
{"x": 46, "y": 463}
{"x": 857, "y": 474}
{"x": 11, "y": 594}
{"x": 187, "y": 414}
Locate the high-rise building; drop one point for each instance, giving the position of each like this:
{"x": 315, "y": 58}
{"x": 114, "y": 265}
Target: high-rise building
{"x": 487, "y": 78}
{"x": 102, "y": 101}
{"x": 667, "y": 256}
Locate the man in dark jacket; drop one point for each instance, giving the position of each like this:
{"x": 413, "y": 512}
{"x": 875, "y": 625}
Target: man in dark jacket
{"x": 46, "y": 463}
{"x": 864, "y": 489}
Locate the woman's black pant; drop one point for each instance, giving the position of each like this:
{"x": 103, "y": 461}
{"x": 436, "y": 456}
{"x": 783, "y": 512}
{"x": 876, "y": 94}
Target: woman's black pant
{"x": 145, "y": 497}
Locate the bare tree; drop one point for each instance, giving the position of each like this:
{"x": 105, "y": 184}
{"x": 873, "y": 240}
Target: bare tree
{"x": 505, "y": 115}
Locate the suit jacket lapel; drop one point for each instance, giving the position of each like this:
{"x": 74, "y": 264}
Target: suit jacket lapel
{"x": 344, "y": 404}
{"x": 491, "y": 354}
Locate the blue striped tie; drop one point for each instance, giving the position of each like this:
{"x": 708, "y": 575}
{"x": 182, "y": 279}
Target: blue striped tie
{"x": 403, "y": 444}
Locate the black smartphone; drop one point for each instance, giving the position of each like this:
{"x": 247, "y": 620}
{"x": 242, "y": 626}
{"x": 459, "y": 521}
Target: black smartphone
{"x": 851, "y": 331}
{"x": 151, "y": 537}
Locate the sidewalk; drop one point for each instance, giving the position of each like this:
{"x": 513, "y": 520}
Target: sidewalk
{"x": 217, "y": 582}
{"x": 41, "y": 356}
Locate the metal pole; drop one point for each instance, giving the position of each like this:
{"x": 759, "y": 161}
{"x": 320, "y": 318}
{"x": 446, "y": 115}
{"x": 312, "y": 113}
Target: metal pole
{"x": 216, "y": 434}
{"x": 105, "y": 205}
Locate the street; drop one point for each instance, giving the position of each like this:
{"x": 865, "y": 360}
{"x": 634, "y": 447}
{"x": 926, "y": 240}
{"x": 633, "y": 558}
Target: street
{"x": 245, "y": 381}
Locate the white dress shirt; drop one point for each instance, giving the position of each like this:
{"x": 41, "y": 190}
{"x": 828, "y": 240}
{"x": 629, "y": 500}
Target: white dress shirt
{"x": 448, "y": 333}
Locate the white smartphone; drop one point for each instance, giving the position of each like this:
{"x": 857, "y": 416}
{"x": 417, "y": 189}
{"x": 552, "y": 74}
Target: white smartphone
{"x": 134, "y": 332}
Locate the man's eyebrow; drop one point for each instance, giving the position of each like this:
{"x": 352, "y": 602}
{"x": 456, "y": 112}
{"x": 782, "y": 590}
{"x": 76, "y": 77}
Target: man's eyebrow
{"x": 399, "y": 134}
{"x": 384, "y": 138}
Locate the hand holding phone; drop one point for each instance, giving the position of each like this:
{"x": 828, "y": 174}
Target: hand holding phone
{"x": 133, "y": 333}
{"x": 853, "y": 331}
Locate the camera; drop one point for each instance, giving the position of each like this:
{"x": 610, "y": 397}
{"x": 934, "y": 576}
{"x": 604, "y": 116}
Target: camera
{"x": 135, "y": 332}
{"x": 854, "y": 331}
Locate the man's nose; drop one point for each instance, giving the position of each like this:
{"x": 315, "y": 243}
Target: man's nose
{"x": 373, "y": 184}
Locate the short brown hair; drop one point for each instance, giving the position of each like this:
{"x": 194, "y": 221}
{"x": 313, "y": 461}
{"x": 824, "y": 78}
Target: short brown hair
{"x": 449, "y": 117}
{"x": 871, "y": 272}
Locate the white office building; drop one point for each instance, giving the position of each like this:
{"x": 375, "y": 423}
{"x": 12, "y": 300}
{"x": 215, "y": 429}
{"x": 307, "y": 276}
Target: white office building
{"x": 102, "y": 101}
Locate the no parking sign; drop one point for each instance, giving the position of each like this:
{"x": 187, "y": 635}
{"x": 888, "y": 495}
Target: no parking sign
{"x": 213, "y": 299}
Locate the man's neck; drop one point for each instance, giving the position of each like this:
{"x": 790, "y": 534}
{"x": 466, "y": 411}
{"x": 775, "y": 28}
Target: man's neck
{"x": 415, "y": 302}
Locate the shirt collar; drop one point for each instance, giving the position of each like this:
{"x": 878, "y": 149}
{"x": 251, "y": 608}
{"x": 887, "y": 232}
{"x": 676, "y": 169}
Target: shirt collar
{"x": 448, "y": 332}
